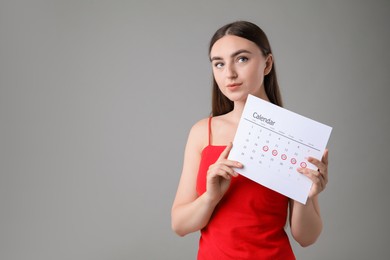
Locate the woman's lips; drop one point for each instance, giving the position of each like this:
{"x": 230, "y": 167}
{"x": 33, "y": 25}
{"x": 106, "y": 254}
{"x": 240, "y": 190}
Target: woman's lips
{"x": 234, "y": 86}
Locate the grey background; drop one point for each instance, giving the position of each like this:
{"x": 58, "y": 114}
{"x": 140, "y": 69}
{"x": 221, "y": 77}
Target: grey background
{"x": 97, "y": 98}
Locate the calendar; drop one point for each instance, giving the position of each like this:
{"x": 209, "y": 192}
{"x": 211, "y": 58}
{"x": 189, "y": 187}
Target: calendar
{"x": 272, "y": 142}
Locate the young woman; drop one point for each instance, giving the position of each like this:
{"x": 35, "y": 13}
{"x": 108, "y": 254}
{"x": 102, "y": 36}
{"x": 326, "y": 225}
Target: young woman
{"x": 238, "y": 218}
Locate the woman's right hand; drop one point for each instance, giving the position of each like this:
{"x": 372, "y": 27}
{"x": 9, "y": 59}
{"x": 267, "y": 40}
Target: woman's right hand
{"x": 219, "y": 175}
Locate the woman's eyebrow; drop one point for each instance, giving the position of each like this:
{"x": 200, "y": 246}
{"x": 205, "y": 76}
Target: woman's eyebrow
{"x": 232, "y": 55}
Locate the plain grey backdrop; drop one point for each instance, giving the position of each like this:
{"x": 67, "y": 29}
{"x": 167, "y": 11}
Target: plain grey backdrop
{"x": 97, "y": 98}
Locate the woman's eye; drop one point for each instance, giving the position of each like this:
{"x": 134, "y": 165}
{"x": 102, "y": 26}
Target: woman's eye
{"x": 242, "y": 59}
{"x": 218, "y": 65}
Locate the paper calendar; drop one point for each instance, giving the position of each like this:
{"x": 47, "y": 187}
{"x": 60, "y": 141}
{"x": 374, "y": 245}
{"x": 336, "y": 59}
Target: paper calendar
{"x": 272, "y": 142}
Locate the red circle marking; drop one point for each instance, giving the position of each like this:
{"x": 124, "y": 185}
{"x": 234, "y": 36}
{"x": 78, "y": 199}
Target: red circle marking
{"x": 293, "y": 161}
{"x": 303, "y": 164}
{"x": 284, "y": 157}
{"x": 274, "y": 152}
{"x": 265, "y": 148}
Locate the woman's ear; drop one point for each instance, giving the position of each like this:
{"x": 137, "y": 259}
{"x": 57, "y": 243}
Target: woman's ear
{"x": 268, "y": 64}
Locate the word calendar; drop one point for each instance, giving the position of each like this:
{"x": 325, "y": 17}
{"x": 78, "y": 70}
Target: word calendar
{"x": 272, "y": 142}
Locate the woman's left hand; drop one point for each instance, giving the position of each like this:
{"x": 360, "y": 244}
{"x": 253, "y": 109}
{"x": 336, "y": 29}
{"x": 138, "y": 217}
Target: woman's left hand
{"x": 319, "y": 177}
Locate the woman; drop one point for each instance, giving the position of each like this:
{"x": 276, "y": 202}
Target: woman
{"x": 238, "y": 218}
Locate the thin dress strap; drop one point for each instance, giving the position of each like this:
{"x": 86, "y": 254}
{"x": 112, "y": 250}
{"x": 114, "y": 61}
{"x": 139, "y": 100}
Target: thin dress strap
{"x": 210, "y": 130}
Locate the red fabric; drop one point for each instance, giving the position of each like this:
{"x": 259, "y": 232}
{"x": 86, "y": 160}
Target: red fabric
{"x": 248, "y": 223}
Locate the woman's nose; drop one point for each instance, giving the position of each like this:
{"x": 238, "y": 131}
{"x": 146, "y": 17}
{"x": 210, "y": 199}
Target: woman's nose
{"x": 231, "y": 72}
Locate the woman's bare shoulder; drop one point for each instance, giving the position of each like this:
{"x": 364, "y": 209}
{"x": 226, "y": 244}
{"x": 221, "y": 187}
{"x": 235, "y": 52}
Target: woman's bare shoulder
{"x": 199, "y": 133}
{"x": 200, "y": 125}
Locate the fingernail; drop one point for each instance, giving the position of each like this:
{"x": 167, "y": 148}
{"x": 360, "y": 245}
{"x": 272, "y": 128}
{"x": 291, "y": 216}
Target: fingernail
{"x": 239, "y": 164}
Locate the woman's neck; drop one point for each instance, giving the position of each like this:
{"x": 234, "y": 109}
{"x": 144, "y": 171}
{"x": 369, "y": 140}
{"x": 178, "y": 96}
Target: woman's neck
{"x": 237, "y": 111}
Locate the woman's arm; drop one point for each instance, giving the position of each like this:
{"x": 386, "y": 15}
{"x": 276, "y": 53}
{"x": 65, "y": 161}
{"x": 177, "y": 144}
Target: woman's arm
{"x": 191, "y": 212}
{"x": 305, "y": 220}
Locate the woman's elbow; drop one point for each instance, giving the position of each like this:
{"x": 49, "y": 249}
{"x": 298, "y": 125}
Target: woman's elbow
{"x": 305, "y": 239}
{"x": 177, "y": 229}
{"x": 178, "y": 226}
{"x": 306, "y": 243}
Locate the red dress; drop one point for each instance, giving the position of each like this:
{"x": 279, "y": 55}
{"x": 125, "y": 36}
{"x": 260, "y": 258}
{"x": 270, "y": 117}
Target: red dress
{"x": 248, "y": 223}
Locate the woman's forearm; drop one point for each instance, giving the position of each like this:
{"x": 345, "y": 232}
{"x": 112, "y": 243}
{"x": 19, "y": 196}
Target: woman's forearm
{"x": 193, "y": 216}
{"x": 305, "y": 221}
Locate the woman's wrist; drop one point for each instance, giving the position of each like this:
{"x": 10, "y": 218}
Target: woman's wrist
{"x": 210, "y": 200}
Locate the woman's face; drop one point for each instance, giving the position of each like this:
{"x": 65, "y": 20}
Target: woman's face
{"x": 239, "y": 67}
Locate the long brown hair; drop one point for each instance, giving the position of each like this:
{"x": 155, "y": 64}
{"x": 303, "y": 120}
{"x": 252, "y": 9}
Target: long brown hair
{"x": 220, "y": 103}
